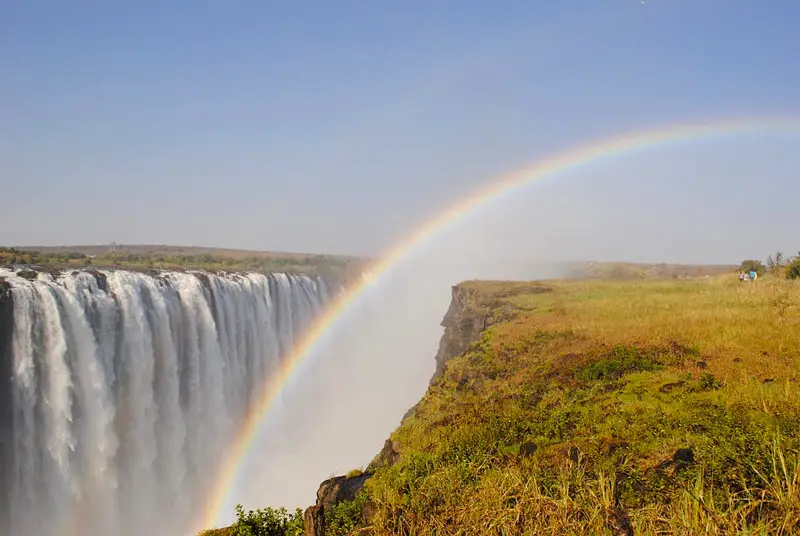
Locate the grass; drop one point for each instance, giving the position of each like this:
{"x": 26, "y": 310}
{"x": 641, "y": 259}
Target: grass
{"x": 643, "y": 406}
{"x": 667, "y": 406}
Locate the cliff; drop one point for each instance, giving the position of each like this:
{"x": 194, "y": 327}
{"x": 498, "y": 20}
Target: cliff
{"x": 603, "y": 407}
{"x": 470, "y": 313}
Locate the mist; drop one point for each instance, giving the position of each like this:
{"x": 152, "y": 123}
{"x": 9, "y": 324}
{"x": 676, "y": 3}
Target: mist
{"x": 690, "y": 203}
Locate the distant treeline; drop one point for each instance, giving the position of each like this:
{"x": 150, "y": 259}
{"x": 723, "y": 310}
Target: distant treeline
{"x": 329, "y": 265}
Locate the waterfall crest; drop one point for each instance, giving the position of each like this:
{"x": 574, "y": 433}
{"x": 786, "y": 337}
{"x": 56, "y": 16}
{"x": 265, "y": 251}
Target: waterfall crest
{"x": 120, "y": 391}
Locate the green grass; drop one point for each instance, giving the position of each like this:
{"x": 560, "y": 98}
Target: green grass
{"x": 600, "y": 384}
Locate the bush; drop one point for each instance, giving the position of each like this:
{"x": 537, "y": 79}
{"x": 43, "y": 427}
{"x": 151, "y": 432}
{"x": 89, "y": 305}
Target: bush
{"x": 750, "y": 265}
{"x": 267, "y": 522}
{"x": 621, "y": 360}
{"x": 344, "y": 517}
{"x": 793, "y": 269}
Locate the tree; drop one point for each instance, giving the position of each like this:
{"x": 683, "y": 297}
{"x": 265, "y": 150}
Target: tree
{"x": 776, "y": 265}
{"x": 793, "y": 268}
{"x": 751, "y": 265}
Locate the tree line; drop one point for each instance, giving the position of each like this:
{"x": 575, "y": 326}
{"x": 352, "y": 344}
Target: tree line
{"x": 335, "y": 267}
{"x": 778, "y": 265}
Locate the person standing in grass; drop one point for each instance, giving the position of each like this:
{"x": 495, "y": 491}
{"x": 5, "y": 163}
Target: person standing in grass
{"x": 753, "y": 275}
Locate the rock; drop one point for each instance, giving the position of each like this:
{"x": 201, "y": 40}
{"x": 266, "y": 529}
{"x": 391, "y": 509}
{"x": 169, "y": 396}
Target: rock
{"x": 462, "y": 327}
{"x": 666, "y": 388}
{"x": 28, "y": 274}
{"x": 100, "y": 277}
{"x": 314, "y": 521}
{"x": 737, "y": 359}
{"x": 386, "y": 457}
{"x": 619, "y": 522}
{"x": 340, "y": 488}
{"x": 527, "y": 449}
{"x": 574, "y": 454}
{"x": 684, "y": 456}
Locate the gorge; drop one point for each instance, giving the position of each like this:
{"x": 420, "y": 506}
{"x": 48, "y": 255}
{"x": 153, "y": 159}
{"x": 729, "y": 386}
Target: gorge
{"x": 120, "y": 390}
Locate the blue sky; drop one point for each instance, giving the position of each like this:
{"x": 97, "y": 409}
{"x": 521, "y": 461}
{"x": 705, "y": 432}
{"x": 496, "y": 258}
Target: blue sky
{"x": 338, "y": 126}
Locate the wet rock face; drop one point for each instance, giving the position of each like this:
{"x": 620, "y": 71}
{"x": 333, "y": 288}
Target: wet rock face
{"x": 102, "y": 280}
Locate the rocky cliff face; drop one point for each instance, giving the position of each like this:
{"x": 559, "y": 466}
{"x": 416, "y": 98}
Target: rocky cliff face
{"x": 463, "y": 324}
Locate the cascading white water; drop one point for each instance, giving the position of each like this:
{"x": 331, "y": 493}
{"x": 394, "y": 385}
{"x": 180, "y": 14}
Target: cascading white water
{"x": 123, "y": 390}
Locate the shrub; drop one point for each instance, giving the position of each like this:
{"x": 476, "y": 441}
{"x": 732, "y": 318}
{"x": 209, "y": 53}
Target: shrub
{"x": 793, "y": 269}
{"x": 344, "y": 517}
{"x": 751, "y": 265}
{"x": 267, "y": 522}
{"x": 621, "y": 360}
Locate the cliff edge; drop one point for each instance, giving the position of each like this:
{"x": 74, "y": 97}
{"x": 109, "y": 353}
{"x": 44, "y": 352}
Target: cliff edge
{"x": 594, "y": 407}
{"x": 470, "y": 313}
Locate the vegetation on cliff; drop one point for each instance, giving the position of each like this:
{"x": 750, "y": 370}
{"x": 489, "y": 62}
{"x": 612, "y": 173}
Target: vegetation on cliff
{"x": 599, "y": 407}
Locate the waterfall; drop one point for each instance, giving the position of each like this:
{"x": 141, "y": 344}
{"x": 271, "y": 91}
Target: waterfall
{"x": 120, "y": 391}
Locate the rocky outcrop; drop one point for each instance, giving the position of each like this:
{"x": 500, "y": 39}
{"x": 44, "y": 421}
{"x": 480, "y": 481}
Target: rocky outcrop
{"x": 387, "y": 456}
{"x": 330, "y": 493}
{"x": 463, "y": 324}
{"x": 340, "y": 488}
{"x": 314, "y": 521}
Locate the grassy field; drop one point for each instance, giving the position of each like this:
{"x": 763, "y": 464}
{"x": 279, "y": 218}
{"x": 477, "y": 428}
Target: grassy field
{"x": 654, "y": 407}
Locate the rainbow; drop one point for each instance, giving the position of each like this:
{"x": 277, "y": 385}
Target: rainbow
{"x": 497, "y": 189}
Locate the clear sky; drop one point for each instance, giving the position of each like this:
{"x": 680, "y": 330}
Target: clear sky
{"x": 338, "y": 126}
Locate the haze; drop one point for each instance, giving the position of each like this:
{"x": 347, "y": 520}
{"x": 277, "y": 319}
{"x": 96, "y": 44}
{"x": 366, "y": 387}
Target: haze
{"x": 337, "y": 127}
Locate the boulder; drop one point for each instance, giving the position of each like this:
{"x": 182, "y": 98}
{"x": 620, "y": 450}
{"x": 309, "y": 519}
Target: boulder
{"x": 314, "y": 521}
